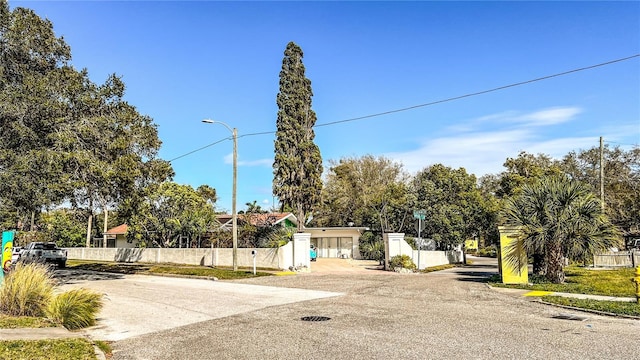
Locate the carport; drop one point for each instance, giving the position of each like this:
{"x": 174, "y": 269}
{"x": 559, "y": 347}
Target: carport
{"x": 337, "y": 242}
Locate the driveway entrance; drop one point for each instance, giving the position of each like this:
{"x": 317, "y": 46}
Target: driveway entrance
{"x": 337, "y": 266}
{"x": 135, "y": 305}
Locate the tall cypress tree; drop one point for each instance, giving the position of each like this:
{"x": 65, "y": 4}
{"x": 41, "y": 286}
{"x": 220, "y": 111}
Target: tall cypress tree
{"x": 297, "y": 167}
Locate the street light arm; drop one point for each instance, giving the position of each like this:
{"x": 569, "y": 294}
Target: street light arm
{"x": 209, "y": 121}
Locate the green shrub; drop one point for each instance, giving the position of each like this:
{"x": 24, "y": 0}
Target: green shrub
{"x": 75, "y": 309}
{"x": 26, "y": 290}
{"x": 401, "y": 261}
{"x": 488, "y": 252}
{"x": 372, "y": 247}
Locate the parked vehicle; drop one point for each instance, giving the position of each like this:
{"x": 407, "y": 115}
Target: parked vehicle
{"x": 15, "y": 254}
{"x": 45, "y": 252}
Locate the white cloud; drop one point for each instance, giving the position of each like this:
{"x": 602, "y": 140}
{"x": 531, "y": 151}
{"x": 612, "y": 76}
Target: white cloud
{"x": 482, "y": 151}
{"x": 478, "y": 153}
{"x": 228, "y": 159}
{"x": 259, "y": 162}
{"x": 557, "y": 148}
{"x": 551, "y": 116}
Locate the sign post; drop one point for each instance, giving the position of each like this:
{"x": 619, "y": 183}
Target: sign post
{"x": 7, "y": 251}
{"x": 254, "y": 253}
{"x": 420, "y": 215}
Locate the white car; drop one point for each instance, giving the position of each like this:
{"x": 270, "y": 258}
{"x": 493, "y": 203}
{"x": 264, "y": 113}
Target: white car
{"x": 15, "y": 254}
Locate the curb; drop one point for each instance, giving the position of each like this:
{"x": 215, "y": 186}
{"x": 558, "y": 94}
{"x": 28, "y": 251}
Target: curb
{"x": 517, "y": 293}
{"x": 598, "y": 312}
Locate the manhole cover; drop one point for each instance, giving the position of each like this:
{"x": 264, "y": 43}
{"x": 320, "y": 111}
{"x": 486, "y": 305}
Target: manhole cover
{"x": 570, "y": 317}
{"x": 315, "y": 318}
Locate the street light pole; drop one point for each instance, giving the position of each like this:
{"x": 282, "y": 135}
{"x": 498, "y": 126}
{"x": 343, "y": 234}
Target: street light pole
{"x": 234, "y": 213}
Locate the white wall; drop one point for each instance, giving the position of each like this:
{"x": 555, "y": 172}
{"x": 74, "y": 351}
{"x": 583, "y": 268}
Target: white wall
{"x": 435, "y": 258}
{"x": 398, "y": 246}
{"x": 301, "y": 250}
{"x": 270, "y": 258}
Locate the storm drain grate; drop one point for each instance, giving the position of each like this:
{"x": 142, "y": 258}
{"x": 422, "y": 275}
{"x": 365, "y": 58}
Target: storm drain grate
{"x": 315, "y": 318}
{"x": 570, "y": 317}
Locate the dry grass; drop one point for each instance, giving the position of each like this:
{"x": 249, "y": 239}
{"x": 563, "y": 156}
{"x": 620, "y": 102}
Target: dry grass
{"x": 75, "y": 309}
{"x": 26, "y": 290}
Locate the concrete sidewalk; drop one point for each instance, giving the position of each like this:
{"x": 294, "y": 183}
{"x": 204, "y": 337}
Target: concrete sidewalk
{"x": 38, "y": 334}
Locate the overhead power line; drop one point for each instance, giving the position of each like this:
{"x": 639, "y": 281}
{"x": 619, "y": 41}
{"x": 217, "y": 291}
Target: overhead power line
{"x": 480, "y": 92}
{"x": 433, "y": 102}
{"x": 201, "y": 148}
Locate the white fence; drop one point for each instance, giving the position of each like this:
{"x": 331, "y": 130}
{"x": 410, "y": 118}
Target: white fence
{"x": 617, "y": 259}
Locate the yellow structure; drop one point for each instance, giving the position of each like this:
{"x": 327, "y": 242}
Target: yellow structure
{"x": 471, "y": 244}
{"x": 514, "y": 270}
{"x": 637, "y": 281}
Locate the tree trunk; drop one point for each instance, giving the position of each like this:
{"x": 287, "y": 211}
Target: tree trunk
{"x": 539, "y": 265}
{"x": 33, "y": 220}
{"x": 104, "y": 231}
{"x": 89, "y": 222}
{"x": 555, "y": 271}
{"x": 301, "y": 218}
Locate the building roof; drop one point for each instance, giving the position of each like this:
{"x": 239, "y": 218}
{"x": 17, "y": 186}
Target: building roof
{"x": 257, "y": 219}
{"x": 118, "y": 230}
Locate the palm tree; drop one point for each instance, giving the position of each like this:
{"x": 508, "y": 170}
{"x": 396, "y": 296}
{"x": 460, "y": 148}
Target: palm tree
{"x": 559, "y": 218}
{"x": 254, "y": 208}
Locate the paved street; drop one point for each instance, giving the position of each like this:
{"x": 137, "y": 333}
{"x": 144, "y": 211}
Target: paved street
{"x": 441, "y": 315}
{"x": 138, "y": 304}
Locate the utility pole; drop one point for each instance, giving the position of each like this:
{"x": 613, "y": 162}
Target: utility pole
{"x": 602, "y": 173}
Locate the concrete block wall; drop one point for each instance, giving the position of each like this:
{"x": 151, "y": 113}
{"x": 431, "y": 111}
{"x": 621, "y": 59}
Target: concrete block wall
{"x": 269, "y": 258}
{"x": 398, "y": 246}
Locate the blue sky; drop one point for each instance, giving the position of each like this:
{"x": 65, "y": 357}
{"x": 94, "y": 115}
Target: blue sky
{"x": 186, "y": 61}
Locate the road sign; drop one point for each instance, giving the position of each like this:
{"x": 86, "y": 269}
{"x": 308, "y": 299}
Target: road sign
{"x": 419, "y": 214}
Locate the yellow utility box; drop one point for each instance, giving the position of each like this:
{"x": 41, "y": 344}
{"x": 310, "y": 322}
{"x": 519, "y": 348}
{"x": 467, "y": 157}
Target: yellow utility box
{"x": 514, "y": 269}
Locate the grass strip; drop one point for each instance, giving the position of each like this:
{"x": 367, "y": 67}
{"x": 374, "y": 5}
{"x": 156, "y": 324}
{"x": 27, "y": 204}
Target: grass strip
{"x": 582, "y": 281}
{"x": 63, "y": 349}
{"x": 613, "y": 307}
{"x": 164, "y": 269}
{"x": 437, "y": 268}
{"x": 105, "y": 347}
{"x": 14, "y": 322}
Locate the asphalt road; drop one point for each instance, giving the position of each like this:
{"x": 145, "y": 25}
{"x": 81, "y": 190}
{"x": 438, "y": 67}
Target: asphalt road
{"x": 137, "y": 304}
{"x": 441, "y": 315}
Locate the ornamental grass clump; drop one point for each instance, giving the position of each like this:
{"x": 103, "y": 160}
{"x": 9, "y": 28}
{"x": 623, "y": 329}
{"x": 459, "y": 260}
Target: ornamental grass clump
{"x": 402, "y": 262}
{"x": 26, "y": 290}
{"x": 75, "y": 309}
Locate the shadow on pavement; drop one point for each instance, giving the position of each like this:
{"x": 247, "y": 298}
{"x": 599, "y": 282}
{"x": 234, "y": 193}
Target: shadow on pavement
{"x": 477, "y": 272}
{"x": 71, "y": 276}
